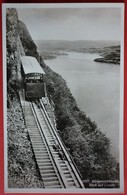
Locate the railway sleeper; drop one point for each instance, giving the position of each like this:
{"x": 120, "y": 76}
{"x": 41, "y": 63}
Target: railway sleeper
{"x": 64, "y": 168}
{"x": 60, "y": 158}
{"x": 42, "y": 147}
{"x": 67, "y": 175}
{"x": 35, "y": 135}
{"x": 70, "y": 179}
{"x": 33, "y": 138}
{"x": 70, "y": 184}
{"x": 36, "y": 147}
{"x": 54, "y": 186}
{"x": 52, "y": 142}
{"x": 50, "y": 179}
{"x": 49, "y": 174}
{"x": 31, "y": 125}
{"x": 43, "y": 159}
{"x": 53, "y": 183}
{"x": 49, "y": 134}
{"x": 42, "y": 150}
{"x": 45, "y": 167}
{"x": 45, "y": 163}
{"x": 50, "y": 137}
{"x": 62, "y": 163}
{"x": 45, "y": 156}
{"x": 37, "y": 141}
{"x": 43, "y": 123}
{"x": 66, "y": 172}
{"x": 34, "y": 131}
{"x": 49, "y": 171}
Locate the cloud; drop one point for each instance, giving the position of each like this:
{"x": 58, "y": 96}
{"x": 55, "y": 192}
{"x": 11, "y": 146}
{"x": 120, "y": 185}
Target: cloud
{"x": 72, "y": 23}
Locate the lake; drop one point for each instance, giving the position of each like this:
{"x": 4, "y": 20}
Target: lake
{"x": 96, "y": 88}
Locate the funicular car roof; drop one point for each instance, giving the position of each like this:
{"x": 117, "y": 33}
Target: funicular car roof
{"x": 31, "y": 65}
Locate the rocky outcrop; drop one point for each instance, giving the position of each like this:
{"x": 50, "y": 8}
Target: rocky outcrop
{"x": 110, "y": 55}
{"x": 11, "y": 40}
{"x": 28, "y": 44}
{"x": 22, "y": 168}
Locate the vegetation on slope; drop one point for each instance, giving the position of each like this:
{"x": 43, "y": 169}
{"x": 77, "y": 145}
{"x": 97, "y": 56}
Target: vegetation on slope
{"x": 89, "y": 147}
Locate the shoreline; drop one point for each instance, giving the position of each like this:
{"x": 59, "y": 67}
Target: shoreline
{"x": 111, "y": 57}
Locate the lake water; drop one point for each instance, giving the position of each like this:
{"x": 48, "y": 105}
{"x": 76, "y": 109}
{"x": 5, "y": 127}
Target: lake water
{"x": 96, "y": 88}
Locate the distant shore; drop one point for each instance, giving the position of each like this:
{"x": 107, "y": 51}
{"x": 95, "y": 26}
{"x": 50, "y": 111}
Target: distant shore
{"x": 51, "y": 54}
{"x": 109, "y": 61}
{"x": 109, "y": 54}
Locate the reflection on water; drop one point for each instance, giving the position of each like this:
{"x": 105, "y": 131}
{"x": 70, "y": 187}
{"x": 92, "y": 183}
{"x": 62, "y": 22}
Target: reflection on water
{"x": 95, "y": 87}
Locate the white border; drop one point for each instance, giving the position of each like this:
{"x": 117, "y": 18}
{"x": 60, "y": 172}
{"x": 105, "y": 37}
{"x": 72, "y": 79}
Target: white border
{"x": 64, "y": 5}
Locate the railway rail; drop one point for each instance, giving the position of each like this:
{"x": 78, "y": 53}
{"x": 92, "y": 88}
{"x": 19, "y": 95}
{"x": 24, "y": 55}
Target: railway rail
{"x": 54, "y": 163}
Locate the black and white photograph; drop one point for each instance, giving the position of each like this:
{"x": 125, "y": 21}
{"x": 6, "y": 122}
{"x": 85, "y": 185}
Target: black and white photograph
{"x": 63, "y": 79}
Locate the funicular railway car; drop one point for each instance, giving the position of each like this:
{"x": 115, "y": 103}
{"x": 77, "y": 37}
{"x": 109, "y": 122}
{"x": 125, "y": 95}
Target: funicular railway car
{"x": 33, "y": 78}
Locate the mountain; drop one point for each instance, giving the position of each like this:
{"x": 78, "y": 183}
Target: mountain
{"x": 78, "y": 45}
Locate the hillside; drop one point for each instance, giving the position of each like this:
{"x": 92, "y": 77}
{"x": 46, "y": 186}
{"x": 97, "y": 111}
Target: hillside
{"x": 78, "y": 45}
{"x": 110, "y": 55}
{"x": 88, "y": 146}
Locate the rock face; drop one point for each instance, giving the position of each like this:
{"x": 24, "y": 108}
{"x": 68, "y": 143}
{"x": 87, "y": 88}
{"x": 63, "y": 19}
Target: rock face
{"x": 22, "y": 168}
{"x": 11, "y": 38}
{"x": 28, "y": 44}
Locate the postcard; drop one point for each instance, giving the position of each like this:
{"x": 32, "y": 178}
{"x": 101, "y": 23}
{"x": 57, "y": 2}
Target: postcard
{"x": 63, "y": 86}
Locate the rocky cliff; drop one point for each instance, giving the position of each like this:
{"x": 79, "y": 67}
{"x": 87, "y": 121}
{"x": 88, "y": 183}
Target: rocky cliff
{"x": 22, "y": 168}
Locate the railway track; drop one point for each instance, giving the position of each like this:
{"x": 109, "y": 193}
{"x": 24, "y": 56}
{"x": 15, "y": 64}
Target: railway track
{"x": 55, "y": 165}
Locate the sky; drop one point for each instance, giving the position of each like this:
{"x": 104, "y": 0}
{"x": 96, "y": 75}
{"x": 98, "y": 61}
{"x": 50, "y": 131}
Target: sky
{"x": 72, "y": 23}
